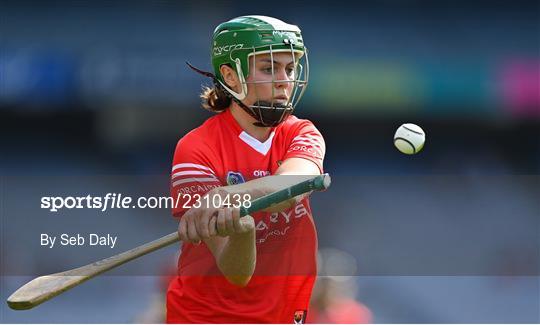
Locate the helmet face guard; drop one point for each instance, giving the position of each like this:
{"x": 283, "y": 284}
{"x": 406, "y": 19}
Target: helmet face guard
{"x": 238, "y": 42}
{"x": 269, "y": 112}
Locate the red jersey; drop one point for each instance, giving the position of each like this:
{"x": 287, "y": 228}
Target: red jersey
{"x": 220, "y": 153}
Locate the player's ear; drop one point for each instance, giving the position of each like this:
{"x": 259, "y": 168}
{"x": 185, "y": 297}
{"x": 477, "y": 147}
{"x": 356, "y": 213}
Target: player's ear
{"x": 230, "y": 76}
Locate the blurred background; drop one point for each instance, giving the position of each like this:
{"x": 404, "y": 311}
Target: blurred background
{"x": 95, "y": 95}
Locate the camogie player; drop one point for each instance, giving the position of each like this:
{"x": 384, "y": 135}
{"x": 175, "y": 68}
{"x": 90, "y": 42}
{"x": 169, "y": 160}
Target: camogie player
{"x": 261, "y": 268}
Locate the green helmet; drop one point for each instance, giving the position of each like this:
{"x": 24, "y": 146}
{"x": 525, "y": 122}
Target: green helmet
{"x": 236, "y": 40}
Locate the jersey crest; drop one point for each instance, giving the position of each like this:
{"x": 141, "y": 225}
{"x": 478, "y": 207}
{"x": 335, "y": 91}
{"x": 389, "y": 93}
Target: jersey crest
{"x": 234, "y": 178}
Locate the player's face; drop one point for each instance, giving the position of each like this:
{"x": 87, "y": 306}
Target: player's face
{"x": 260, "y": 85}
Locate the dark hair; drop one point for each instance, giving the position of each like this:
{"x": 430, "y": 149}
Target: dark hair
{"x": 215, "y": 99}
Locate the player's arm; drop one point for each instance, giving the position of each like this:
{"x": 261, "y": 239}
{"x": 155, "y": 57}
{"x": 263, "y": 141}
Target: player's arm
{"x": 291, "y": 171}
{"x": 234, "y": 249}
{"x": 230, "y": 239}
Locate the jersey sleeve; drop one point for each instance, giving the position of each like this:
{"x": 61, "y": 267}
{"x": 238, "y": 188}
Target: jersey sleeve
{"x": 192, "y": 175}
{"x": 308, "y": 143}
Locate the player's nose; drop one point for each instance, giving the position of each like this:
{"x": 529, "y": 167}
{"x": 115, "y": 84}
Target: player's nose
{"x": 282, "y": 79}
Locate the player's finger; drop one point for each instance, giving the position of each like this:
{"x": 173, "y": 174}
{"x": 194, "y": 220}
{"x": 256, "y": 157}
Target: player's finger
{"x": 192, "y": 234}
{"x": 202, "y": 223}
{"x": 212, "y": 225}
{"x": 243, "y": 225}
{"x": 182, "y": 229}
{"x": 248, "y": 223}
{"x": 221, "y": 226}
{"x": 229, "y": 220}
{"x": 235, "y": 214}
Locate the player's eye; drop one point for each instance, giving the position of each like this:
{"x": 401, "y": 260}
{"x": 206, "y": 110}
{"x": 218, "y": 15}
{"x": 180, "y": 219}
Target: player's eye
{"x": 290, "y": 71}
{"x": 268, "y": 70}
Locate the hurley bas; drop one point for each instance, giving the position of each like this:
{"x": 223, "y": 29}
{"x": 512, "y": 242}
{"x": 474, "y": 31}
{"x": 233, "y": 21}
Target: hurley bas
{"x": 79, "y": 240}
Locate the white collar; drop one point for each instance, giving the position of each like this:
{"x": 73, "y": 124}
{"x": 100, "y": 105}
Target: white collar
{"x": 261, "y": 147}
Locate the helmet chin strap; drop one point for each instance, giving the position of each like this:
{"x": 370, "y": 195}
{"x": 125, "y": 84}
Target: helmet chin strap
{"x": 271, "y": 115}
{"x": 271, "y": 111}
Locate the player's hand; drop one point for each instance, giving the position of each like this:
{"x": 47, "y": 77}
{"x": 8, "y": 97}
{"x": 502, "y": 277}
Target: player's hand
{"x": 185, "y": 223}
{"x": 194, "y": 225}
{"x": 203, "y": 223}
{"x": 228, "y": 222}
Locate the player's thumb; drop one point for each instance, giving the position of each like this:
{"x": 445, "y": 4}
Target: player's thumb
{"x": 247, "y": 222}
